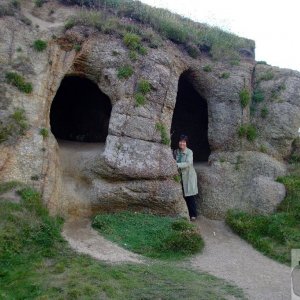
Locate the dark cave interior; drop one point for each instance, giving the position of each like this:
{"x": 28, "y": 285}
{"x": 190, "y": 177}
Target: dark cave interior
{"x": 80, "y": 111}
{"x": 190, "y": 117}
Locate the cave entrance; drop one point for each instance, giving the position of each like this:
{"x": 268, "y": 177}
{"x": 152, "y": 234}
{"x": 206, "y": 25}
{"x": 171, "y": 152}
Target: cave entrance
{"x": 80, "y": 111}
{"x": 190, "y": 117}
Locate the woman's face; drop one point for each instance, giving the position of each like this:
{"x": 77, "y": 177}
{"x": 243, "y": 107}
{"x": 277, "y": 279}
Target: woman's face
{"x": 182, "y": 145}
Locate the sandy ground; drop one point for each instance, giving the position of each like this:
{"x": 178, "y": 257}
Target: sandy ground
{"x": 229, "y": 257}
{"x": 84, "y": 239}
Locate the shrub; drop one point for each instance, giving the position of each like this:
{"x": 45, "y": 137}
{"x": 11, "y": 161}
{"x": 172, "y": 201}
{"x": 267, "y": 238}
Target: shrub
{"x": 6, "y": 10}
{"x": 165, "y": 139}
{"x": 261, "y": 62}
{"x": 142, "y": 50}
{"x": 143, "y": 87}
{"x": 186, "y": 242}
{"x": 139, "y": 99}
{"x": 132, "y": 41}
{"x": 224, "y": 75}
{"x": 258, "y": 96}
{"x": 39, "y": 45}
{"x": 125, "y": 72}
{"x": 248, "y": 131}
{"x": 16, "y": 4}
{"x": 263, "y": 149}
{"x": 133, "y": 55}
{"x": 264, "y": 112}
{"x": 18, "y": 81}
{"x": 207, "y": 68}
{"x": 39, "y": 3}
{"x": 268, "y": 75}
{"x": 244, "y": 97}
{"x": 77, "y": 47}
{"x": 20, "y": 121}
{"x": 192, "y": 50}
{"x": 44, "y": 132}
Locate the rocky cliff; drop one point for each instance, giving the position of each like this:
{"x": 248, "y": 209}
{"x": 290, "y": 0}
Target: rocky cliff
{"x": 250, "y": 114}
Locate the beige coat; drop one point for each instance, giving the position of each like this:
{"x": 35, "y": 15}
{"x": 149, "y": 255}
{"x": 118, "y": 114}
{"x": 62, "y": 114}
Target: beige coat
{"x": 187, "y": 171}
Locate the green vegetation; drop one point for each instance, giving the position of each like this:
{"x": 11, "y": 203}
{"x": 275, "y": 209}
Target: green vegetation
{"x": 132, "y": 41}
{"x": 177, "y": 178}
{"x": 19, "y": 82}
{"x": 264, "y": 112}
{"x": 165, "y": 139}
{"x": 224, "y": 75}
{"x": 143, "y": 87}
{"x": 268, "y": 75}
{"x": 125, "y": 72}
{"x": 39, "y": 45}
{"x": 150, "y": 235}
{"x": 7, "y": 9}
{"x": 77, "y": 47}
{"x": 258, "y": 95}
{"x": 36, "y": 263}
{"x": 248, "y": 131}
{"x": 139, "y": 99}
{"x": 275, "y": 234}
{"x": 244, "y": 97}
{"x": 133, "y": 55}
{"x": 263, "y": 149}
{"x": 39, "y": 3}
{"x": 207, "y": 68}
{"x": 261, "y": 62}
{"x": 192, "y": 50}
{"x": 44, "y": 132}
{"x": 15, "y": 125}
{"x": 194, "y": 36}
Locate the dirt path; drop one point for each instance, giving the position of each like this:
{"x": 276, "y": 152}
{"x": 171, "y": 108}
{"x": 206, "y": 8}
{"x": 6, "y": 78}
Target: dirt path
{"x": 84, "y": 239}
{"x": 227, "y": 256}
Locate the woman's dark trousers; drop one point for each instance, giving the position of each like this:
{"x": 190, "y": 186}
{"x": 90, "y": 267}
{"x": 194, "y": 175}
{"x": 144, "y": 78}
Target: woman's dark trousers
{"x": 191, "y": 204}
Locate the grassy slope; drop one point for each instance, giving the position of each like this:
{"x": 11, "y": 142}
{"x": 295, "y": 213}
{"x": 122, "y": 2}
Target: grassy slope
{"x": 194, "y": 36}
{"x": 36, "y": 263}
{"x": 150, "y": 235}
{"x": 276, "y": 234}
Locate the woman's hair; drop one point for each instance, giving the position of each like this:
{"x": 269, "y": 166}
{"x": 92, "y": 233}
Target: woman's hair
{"x": 183, "y": 137}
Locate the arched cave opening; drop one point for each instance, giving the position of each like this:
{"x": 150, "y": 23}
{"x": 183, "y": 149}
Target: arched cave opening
{"x": 80, "y": 111}
{"x": 190, "y": 117}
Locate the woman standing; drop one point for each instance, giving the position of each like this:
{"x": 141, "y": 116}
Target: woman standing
{"x": 184, "y": 159}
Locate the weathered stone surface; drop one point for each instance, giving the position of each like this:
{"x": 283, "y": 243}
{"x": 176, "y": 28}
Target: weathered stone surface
{"x": 265, "y": 194}
{"x": 127, "y": 158}
{"x": 136, "y": 170}
{"x": 233, "y": 180}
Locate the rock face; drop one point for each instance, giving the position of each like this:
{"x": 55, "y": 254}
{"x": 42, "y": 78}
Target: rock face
{"x": 136, "y": 170}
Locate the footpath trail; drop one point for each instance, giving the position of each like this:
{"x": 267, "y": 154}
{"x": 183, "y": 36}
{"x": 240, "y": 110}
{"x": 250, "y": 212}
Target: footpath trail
{"x": 84, "y": 239}
{"x": 227, "y": 256}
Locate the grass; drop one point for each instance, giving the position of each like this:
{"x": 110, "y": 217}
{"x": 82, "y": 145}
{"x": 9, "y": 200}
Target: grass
{"x": 264, "y": 112}
{"x": 258, "y": 96}
{"x": 39, "y": 45}
{"x": 19, "y": 82}
{"x": 275, "y": 234}
{"x": 36, "y": 263}
{"x": 224, "y": 75}
{"x": 125, "y": 72}
{"x": 194, "y": 36}
{"x": 150, "y": 235}
{"x": 143, "y": 87}
{"x": 15, "y": 125}
{"x": 249, "y": 131}
{"x": 268, "y": 75}
{"x": 244, "y": 97}
{"x": 44, "y": 132}
{"x": 207, "y": 68}
{"x": 139, "y": 99}
{"x": 165, "y": 138}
